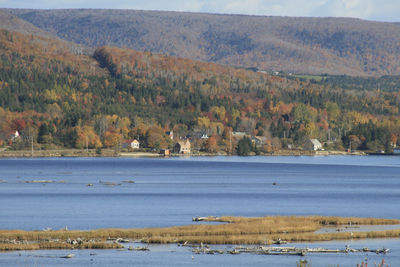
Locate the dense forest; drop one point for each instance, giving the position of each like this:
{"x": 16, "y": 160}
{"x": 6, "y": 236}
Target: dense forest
{"x": 59, "y": 98}
{"x": 336, "y": 46}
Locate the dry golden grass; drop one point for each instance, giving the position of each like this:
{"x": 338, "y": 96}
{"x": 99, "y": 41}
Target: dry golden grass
{"x": 232, "y": 230}
{"x": 57, "y": 245}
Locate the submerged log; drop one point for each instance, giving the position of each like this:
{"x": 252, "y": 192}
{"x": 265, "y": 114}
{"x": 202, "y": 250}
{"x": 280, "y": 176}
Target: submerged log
{"x": 122, "y": 240}
{"x": 39, "y": 181}
{"x": 68, "y": 256}
{"x": 141, "y": 249}
{"x": 208, "y": 218}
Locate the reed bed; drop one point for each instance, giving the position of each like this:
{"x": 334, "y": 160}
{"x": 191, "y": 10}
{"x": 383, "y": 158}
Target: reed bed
{"x": 270, "y": 239}
{"x": 57, "y": 245}
{"x": 232, "y": 230}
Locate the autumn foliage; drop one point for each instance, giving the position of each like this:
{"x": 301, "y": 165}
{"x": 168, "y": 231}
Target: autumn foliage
{"x": 118, "y": 94}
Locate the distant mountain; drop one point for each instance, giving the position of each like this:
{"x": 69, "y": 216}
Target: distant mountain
{"x": 13, "y": 23}
{"x": 301, "y": 45}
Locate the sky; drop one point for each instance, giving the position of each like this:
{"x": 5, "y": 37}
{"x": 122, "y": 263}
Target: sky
{"x": 379, "y": 10}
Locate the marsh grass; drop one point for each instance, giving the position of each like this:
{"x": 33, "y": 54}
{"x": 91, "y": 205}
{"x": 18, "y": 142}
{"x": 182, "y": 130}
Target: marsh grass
{"x": 232, "y": 230}
{"x": 57, "y": 245}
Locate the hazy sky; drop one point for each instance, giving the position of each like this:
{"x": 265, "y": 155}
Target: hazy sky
{"x": 382, "y": 10}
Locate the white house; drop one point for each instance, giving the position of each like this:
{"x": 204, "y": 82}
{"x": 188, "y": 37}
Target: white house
{"x": 204, "y": 136}
{"x": 134, "y": 144}
{"x": 312, "y": 145}
{"x": 14, "y": 135}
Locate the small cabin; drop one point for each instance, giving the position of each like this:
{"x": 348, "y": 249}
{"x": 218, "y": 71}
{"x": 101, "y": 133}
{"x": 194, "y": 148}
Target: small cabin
{"x": 165, "y": 152}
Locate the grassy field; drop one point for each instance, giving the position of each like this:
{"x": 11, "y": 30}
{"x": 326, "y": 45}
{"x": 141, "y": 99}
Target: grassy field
{"x": 231, "y": 230}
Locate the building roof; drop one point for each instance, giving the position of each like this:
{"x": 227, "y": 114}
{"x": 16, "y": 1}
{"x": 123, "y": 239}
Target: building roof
{"x": 185, "y": 142}
{"x": 315, "y": 142}
{"x": 239, "y": 134}
{"x": 130, "y": 141}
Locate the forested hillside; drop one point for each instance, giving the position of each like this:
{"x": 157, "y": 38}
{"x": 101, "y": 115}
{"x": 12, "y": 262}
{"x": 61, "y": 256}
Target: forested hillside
{"x": 340, "y": 46}
{"x": 62, "y": 99}
{"x": 13, "y": 23}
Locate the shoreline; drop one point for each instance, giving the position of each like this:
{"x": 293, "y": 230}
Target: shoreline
{"x": 70, "y": 153}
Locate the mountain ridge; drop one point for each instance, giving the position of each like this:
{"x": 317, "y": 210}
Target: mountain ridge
{"x": 11, "y": 22}
{"x": 293, "y": 44}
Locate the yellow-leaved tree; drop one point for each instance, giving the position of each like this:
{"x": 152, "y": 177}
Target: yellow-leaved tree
{"x": 87, "y": 137}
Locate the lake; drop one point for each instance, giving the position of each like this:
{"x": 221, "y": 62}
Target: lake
{"x": 91, "y": 193}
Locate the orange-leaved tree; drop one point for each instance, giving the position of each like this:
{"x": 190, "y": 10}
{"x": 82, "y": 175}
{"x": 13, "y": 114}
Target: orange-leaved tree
{"x": 112, "y": 137}
{"x": 87, "y": 137}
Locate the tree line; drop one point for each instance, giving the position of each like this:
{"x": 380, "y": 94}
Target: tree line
{"x": 118, "y": 94}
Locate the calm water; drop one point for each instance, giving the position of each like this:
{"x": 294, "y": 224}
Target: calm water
{"x": 171, "y": 191}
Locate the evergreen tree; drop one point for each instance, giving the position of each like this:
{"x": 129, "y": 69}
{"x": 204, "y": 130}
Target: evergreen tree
{"x": 244, "y": 146}
{"x": 44, "y": 134}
